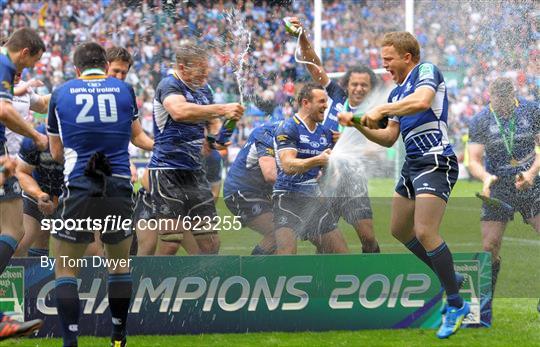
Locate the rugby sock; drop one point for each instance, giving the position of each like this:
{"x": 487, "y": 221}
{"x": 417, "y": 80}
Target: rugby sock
{"x": 38, "y": 252}
{"x": 120, "y": 287}
{"x": 67, "y": 303}
{"x": 258, "y": 250}
{"x": 416, "y": 247}
{"x": 443, "y": 266}
{"x": 495, "y": 268}
{"x": 8, "y": 245}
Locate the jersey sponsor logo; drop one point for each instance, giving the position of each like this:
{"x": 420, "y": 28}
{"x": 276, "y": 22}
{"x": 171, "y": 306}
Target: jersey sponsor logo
{"x": 425, "y": 72}
{"x": 6, "y": 85}
{"x": 408, "y": 86}
{"x": 304, "y": 139}
{"x": 256, "y": 209}
{"x": 281, "y": 138}
{"x": 340, "y": 108}
{"x": 314, "y": 144}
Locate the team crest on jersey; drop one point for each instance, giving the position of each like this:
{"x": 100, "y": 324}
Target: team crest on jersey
{"x": 408, "y": 86}
{"x": 323, "y": 141}
{"x": 256, "y": 209}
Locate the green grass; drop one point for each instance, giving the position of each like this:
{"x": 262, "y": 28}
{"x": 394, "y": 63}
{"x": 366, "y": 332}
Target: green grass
{"x": 516, "y": 321}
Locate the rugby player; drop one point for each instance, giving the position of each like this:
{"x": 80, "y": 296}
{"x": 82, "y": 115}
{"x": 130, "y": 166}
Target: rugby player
{"x": 419, "y": 110}
{"x": 97, "y": 182}
{"x": 352, "y": 203}
{"x": 303, "y": 149}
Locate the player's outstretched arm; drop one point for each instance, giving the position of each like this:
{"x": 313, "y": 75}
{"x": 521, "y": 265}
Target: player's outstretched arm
{"x": 293, "y": 165}
{"x": 268, "y": 169}
{"x": 27, "y": 182}
{"x": 183, "y": 111}
{"x": 525, "y": 180}
{"x": 308, "y": 54}
{"x": 139, "y": 137}
{"x": 57, "y": 148}
{"x": 384, "y": 137}
{"x": 11, "y": 119}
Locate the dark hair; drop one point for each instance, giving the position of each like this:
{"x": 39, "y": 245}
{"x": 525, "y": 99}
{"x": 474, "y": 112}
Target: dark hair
{"x": 25, "y": 38}
{"x": 189, "y": 51}
{"x": 119, "y": 53}
{"x": 90, "y": 55}
{"x": 502, "y": 87}
{"x": 404, "y": 42}
{"x": 3, "y": 40}
{"x": 306, "y": 92}
{"x": 359, "y": 69}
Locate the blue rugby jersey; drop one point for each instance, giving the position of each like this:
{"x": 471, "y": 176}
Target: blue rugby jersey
{"x": 92, "y": 114}
{"x": 294, "y": 134}
{"x": 47, "y": 172}
{"x": 425, "y": 132}
{"x": 7, "y": 79}
{"x": 177, "y": 145}
{"x": 483, "y": 129}
{"x": 245, "y": 174}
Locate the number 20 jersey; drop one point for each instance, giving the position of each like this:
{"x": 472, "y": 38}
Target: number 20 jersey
{"x": 93, "y": 114}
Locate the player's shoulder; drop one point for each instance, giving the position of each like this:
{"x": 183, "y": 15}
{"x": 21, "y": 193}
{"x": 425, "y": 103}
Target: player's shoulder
{"x": 480, "y": 118}
{"x": 527, "y": 105}
{"x": 426, "y": 70}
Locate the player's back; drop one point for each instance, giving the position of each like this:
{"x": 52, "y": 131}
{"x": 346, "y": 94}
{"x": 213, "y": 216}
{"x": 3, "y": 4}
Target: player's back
{"x": 245, "y": 173}
{"x": 93, "y": 114}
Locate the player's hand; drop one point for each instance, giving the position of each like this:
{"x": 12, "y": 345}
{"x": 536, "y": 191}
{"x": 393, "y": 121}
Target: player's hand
{"x": 335, "y": 135}
{"x": 371, "y": 118}
{"x": 524, "y": 180}
{"x": 324, "y": 157}
{"x": 25, "y": 87}
{"x": 42, "y": 142}
{"x": 488, "y": 182}
{"x": 233, "y": 111}
{"x": 45, "y": 204}
{"x": 345, "y": 119}
{"x": 7, "y": 168}
{"x": 295, "y": 21}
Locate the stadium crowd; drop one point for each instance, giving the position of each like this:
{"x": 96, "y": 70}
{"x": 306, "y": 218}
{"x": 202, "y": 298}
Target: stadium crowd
{"x": 484, "y": 41}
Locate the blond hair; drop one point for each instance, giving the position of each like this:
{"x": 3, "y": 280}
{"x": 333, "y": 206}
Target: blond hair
{"x": 404, "y": 42}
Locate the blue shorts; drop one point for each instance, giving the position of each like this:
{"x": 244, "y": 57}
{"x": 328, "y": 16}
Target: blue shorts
{"x": 433, "y": 174}
{"x": 10, "y": 190}
{"x": 248, "y": 205}
{"x": 86, "y": 197}
{"x": 308, "y": 216}
{"x": 143, "y": 206}
{"x": 526, "y": 202}
{"x": 30, "y": 208}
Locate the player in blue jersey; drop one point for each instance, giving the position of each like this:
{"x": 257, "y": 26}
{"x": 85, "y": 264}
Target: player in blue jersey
{"x": 352, "y": 203}
{"x": 183, "y": 105}
{"x": 506, "y": 132}
{"x": 303, "y": 149}
{"x": 22, "y": 50}
{"x": 144, "y": 240}
{"x": 419, "y": 110}
{"x": 248, "y": 186}
{"x": 97, "y": 182}
{"x": 41, "y": 179}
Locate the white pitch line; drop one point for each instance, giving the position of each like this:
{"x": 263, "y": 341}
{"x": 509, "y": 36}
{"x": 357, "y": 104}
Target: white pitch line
{"x": 522, "y": 241}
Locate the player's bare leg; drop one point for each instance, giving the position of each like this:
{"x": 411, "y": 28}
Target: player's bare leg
{"x": 285, "y": 241}
{"x": 364, "y": 230}
{"x": 264, "y": 225}
{"x": 492, "y": 235}
{"x": 33, "y": 237}
{"x": 330, "y": 242}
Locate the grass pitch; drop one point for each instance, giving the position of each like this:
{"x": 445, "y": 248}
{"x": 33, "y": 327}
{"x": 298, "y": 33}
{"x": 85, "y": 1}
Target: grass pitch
{"x": 516, "y": 321}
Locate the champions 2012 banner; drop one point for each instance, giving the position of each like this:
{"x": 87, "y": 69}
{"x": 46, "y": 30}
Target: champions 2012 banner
{"x": 206, "y": 294}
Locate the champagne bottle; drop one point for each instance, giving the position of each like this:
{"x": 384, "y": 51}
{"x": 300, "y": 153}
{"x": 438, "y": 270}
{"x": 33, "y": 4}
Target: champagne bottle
{"x": 226, "y": 131}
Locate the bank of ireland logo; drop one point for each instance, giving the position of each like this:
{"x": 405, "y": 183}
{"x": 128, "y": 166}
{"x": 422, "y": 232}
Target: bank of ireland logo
{"x": 12, "y": 292}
